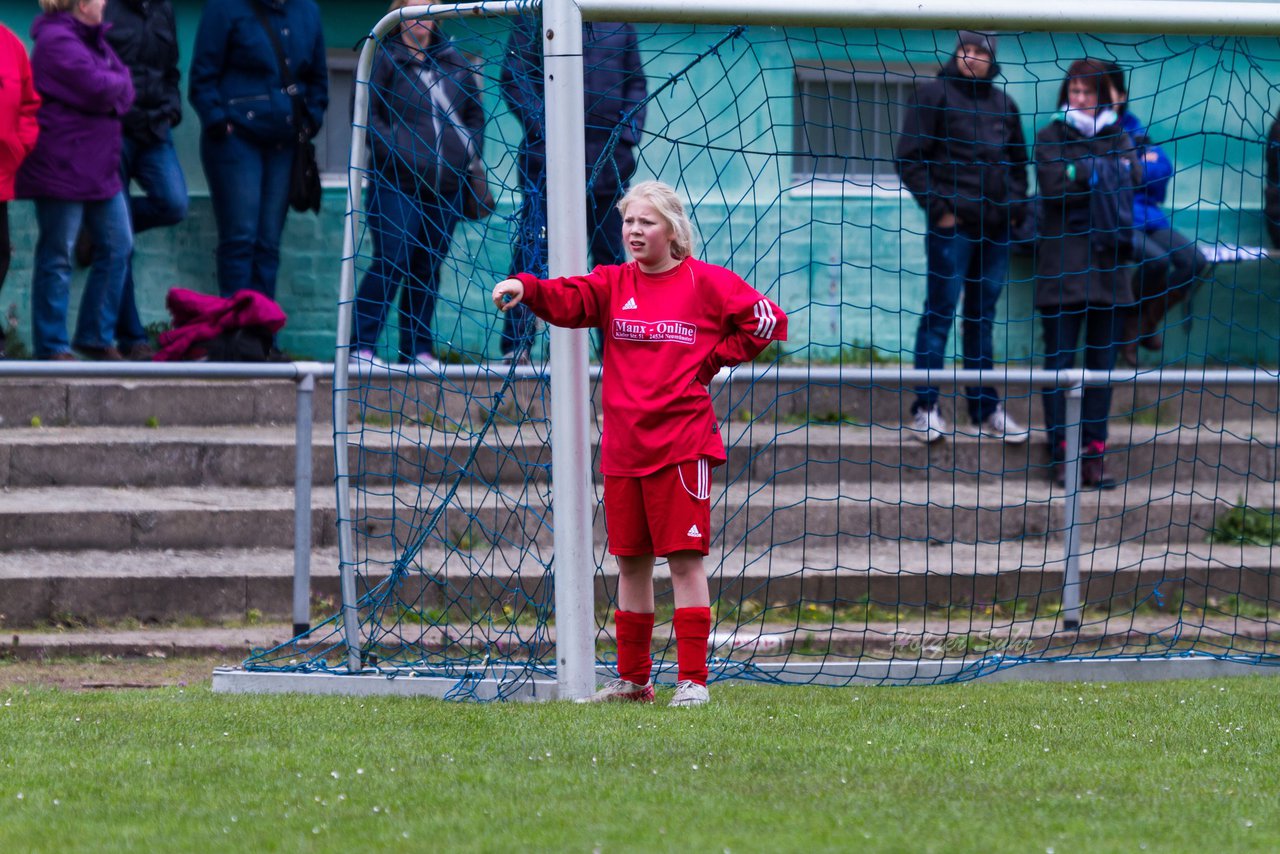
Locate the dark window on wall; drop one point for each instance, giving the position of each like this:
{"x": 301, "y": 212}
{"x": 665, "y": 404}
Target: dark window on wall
{"x": 333, "y": 144}
{"x": 845, "y": 123}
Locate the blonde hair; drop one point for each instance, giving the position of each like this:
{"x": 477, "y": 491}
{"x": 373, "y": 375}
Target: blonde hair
{"x": 57, "y": 5}
{"x": 668, "y": 206}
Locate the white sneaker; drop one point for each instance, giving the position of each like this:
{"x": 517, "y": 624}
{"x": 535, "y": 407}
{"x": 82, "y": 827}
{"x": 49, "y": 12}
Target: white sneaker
{"x": 520, "y": 357}
{"x": 928, "y": 425}
{"x": 999, "y": 425}
{"x": 360, "y": 358}
{"x": 426, "y": 361}
{"x": 620, "y": 690}
{"x": 690, "y": 694}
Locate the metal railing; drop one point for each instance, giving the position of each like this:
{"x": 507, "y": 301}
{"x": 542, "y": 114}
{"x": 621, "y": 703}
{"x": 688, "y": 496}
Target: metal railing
{"x": 305, "y": 374}
{"x": 302, "y": 374}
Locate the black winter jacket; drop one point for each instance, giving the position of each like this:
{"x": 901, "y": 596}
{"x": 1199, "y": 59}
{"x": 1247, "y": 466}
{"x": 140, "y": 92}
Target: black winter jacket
{"x": 962, "y": 151}
{"x": 144, "y": 35}
{"x": 1271, "y": 187}
{"x": 426, "y": 120}
{"x": 614, "y": 94}
{"x": 1085, "y": 242}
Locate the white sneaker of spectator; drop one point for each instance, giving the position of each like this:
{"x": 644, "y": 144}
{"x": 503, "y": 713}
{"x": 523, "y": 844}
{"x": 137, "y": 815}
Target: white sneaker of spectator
{"x": 427, "y": 362}
{"x": 928, "y": 425}
{"x": 1000, "y": 425}
{"x": 361, "y": 358}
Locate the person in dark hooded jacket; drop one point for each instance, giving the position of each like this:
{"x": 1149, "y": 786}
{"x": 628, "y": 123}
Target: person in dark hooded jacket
{"x": 1271, "y": 185}
{"x": 614, "y": 90}
{"x": 962, "y": 155}
{"x": 1087, "y": 168}
{"x": 144, "y": 35}
{"x": 426, "y": 126}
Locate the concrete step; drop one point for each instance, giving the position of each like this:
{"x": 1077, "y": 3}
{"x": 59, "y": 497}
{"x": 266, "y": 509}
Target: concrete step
{"x": 756, "y": 516}
{"x": 764, "y": 516}
{"x": 159, "y": 518}
{"x": 233, "y": 584}
{"x": 784, "y": 453}
{"x": 467, "y": 398}
{"x": 135, "y": 403}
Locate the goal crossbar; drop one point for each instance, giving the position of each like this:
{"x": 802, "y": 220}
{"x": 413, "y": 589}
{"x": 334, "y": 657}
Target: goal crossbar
{"x": 1137, "y": 16}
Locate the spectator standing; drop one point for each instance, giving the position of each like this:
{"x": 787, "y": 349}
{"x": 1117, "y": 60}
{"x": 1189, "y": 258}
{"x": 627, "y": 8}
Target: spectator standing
{"x": 1168, "y": 262}
{"x": 1271, "y": 187}
{"x": 144, "y": 35}
{"x": 614, "y": 92}
{"x": 962, "y": 155}
{"x": 426, "y": 126}
{"x": 1088, "y": 169}
{"x": 18, "y": 131}
{"x": 248, "y": 138}
{"x": 73, "y": 174}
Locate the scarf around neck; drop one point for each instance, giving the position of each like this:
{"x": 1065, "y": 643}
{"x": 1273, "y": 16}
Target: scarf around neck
{"x": 1087, "y": 122}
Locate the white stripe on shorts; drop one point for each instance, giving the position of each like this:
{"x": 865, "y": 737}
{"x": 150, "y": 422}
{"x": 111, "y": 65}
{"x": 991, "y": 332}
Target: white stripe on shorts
{"x": 702, "y": 487}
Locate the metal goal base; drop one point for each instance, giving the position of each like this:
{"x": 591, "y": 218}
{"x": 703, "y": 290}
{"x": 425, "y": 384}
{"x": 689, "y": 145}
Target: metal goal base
{"x": 230, "y": 680}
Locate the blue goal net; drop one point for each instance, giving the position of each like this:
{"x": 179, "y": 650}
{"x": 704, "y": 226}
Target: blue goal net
{"x": 1024, "y": 204}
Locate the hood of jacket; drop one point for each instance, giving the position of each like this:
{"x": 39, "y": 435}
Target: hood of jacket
{"x": 951, "y": 75}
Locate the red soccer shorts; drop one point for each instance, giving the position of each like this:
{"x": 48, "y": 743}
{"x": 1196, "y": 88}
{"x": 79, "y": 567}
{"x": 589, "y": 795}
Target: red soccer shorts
{"x": 660, "y": 513}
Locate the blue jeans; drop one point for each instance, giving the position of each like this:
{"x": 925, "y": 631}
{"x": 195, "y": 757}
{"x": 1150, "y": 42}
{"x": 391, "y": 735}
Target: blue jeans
{"x": 411, "y": 237}
{"x": 156, "y": 169}
{"x": 977, "y": 268}
{"x": 59, "y": 222}
{"x": 529, "y": 254}
{"x": 1101, "y": 325}
{"x": 249, "y": 188}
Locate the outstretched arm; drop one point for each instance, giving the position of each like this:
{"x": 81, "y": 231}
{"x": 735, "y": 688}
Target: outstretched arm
{"x": 576, "y": 302}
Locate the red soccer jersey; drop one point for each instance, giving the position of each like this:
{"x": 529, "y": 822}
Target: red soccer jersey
{"x": 666, "y": 336}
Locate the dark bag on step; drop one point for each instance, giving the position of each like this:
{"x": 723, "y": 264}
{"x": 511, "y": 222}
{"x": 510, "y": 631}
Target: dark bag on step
{"x": 242, "y": 344}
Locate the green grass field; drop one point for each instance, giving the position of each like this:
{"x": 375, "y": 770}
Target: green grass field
{"x": 1175, "y": 766}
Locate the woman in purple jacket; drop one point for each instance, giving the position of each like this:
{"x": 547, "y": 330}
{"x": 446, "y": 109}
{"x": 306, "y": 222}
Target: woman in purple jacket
{"x": 74, "y": 175}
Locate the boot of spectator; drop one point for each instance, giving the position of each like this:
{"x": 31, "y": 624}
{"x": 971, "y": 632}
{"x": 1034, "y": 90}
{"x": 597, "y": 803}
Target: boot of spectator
{"x": 1092, "y": 470}
{"x": 1058, "y": 467}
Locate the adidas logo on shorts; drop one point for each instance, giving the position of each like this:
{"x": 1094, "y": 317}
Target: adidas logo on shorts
{"x": 693, "y": 531}
{"x": 630, "y": 305}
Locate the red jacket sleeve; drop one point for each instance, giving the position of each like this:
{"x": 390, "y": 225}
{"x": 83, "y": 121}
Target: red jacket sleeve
{"x": 751, "y": 322}
{"x": 577, "y": 302}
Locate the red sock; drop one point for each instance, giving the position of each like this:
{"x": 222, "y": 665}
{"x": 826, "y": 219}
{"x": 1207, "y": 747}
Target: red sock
{"x": 693, "y": 627}
{"x": 635, "y": 636}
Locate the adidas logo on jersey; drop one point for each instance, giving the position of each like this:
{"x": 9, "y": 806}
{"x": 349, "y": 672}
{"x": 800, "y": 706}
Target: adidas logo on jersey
{"x": 630, "y": 305}
{"x": 693, "y": 531}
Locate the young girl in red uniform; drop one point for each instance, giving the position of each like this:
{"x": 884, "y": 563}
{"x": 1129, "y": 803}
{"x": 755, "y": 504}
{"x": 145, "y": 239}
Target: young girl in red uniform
{"x": 670, "y": 323}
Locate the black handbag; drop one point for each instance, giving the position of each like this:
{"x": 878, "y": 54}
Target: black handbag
{"x": 304, "y": 179}
{"x": 477, "y": 200}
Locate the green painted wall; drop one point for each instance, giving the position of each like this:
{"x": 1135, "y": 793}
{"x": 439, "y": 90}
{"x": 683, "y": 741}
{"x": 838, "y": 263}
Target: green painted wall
{"x": 848, "y": 263}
